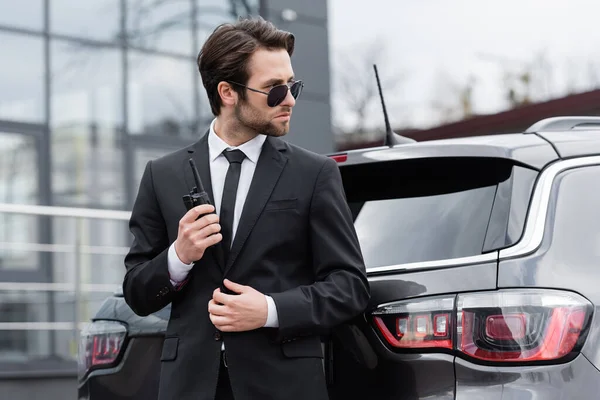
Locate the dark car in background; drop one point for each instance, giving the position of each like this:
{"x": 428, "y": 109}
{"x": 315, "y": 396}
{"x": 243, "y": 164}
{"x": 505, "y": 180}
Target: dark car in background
{"x": 483, "y": 255}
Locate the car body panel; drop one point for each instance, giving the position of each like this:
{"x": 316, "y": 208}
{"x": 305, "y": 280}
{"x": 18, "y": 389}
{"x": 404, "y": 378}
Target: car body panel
{"x": 453, "y": 278}
{"x": 574, "y": 143}
{"x": 575, "y": 380}
{"x": 528, "y": 150}
{"x": 116, "y": 309}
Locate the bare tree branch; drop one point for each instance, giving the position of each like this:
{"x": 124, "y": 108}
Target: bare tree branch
{"x": 452, "y": 100}
{"x": 355, "y": 87}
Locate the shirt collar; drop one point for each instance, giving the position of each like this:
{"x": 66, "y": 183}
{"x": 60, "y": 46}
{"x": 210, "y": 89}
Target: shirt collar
{"x": 216, "y": 145}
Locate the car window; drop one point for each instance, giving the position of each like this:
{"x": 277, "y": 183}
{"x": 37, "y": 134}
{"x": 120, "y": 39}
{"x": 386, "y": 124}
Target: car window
{"x": 427, "y": 209}
{"x": 424, "y": 228}
{"x": 574, "y": 216}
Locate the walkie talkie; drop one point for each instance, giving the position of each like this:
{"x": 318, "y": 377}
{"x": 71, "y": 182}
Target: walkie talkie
{"x": 197, "y": 195}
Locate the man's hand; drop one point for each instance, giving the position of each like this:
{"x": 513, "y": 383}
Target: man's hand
{"x": 241, "y": 312}
{"x": 195, "y": 236}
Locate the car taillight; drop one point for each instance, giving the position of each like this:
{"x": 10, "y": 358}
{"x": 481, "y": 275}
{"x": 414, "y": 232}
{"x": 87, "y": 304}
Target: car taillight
{"x": 339, "y": 157}
{"x": 100, "y": 345}
{"x": 504, "y": 326}
{"x": 424, "y": 323}
{"x": 520, "y": 325}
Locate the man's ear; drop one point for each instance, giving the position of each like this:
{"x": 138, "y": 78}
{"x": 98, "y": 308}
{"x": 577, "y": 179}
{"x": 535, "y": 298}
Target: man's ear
{"x": 229, "y": 97}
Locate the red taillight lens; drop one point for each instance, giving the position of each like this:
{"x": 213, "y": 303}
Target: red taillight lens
{"x": 503, "y": 326}
{"x": 520, "y": 325}
{"x": 441, "y": 324}
{"x": 421, "y": 323}
{"x": 105, "y": 348}
{"x": 339, "y": 157}
{"x": 100, "y": 344}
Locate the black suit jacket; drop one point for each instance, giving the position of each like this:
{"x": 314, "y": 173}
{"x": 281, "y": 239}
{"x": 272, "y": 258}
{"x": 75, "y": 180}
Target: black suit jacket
{"x": 295, "y": 242}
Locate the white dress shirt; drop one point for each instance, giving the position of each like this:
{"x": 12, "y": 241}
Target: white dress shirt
{"x": 218, "y": 170}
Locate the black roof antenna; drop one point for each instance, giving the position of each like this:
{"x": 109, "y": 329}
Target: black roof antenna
{"x": 391, "y": 137}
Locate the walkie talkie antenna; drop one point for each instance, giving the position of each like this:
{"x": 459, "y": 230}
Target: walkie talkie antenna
{"x": 391, "y": 138}
{"x": 197, "y": 179}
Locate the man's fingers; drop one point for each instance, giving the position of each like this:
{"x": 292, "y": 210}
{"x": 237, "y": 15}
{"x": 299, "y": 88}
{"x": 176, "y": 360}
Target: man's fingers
{"x": 211, "y": 240}
{"x": 234, "y": 287}
{"x": 191, "y": 222}
{"x": 219, "y": 320}
{"x": 227, "y": 328}
{"x": 222, "y": 298}
{"x": 195, "y": 212}
{"x": 206, "y": 220}
{"x": 208, "y": 230}
{"x": 216, "y": 309}
{"x": 223, "y": 324}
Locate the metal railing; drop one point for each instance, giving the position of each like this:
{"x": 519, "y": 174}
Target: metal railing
{"x": 78, "y": 248}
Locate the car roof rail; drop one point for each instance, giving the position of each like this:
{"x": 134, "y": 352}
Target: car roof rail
{"x": 565, "y": 124}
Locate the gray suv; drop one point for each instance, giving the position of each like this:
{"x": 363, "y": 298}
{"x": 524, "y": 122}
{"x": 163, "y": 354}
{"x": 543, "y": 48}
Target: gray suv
{"x": 483, "y": 255}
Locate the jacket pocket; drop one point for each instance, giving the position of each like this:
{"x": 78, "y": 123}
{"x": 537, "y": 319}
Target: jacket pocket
{"x": 276, "y": 205}
{"x": 307, "y": 346}
{"x": 169, "y": 350}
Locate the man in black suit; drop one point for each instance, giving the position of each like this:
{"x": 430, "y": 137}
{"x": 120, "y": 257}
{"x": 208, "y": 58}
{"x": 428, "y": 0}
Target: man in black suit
{"x": 258, "y": 279}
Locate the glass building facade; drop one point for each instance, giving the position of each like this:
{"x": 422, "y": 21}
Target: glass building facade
{"x": 89, "y": 92}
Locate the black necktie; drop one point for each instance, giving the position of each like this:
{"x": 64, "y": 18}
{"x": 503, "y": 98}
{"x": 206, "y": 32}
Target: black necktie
{"x": 235, "y": 158}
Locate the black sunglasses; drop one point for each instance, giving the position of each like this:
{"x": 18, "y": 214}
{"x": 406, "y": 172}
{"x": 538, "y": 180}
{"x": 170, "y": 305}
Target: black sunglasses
{"x": 278, "y": 93}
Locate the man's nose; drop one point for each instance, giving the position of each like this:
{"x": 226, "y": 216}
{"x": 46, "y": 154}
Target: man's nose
{"x": 289, "y": 100}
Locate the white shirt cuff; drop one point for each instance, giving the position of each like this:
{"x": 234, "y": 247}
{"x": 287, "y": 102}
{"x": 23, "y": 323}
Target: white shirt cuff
{"x": 178, "y": 271}
{"x": 272, "y": 318}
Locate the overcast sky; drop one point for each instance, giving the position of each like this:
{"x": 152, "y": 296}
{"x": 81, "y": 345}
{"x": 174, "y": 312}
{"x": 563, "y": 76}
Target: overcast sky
{"x": 441, "y": 43}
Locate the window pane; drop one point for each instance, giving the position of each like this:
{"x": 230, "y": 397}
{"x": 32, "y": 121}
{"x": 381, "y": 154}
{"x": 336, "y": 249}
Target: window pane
{"x": 399, "y": 231}
{"x": 164, "y": 25}
{"x": 17, "y": 232}
{"x": 423, "y": 209}
{"x": 18, "y": 184}
{"x": 18, "y": 169}
{"x": 92, "y": 19}
{"x": 576, "y": 231}
{"x": 22, "y": 14}
{"x": 87, "y": 161}
{"x": 161, "y": 95}
{"x": 21, "y": 78}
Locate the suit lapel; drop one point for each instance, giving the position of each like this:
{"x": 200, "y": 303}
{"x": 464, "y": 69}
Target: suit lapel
{"x": 268, "y": 169}
{"x": 199, "y": 153}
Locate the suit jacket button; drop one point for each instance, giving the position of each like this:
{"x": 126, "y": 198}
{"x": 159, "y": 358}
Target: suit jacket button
{"x": 217, "y": 336}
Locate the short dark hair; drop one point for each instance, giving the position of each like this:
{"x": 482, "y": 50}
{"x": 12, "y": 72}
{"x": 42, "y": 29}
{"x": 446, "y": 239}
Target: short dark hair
{"x": 225, "y": 54}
